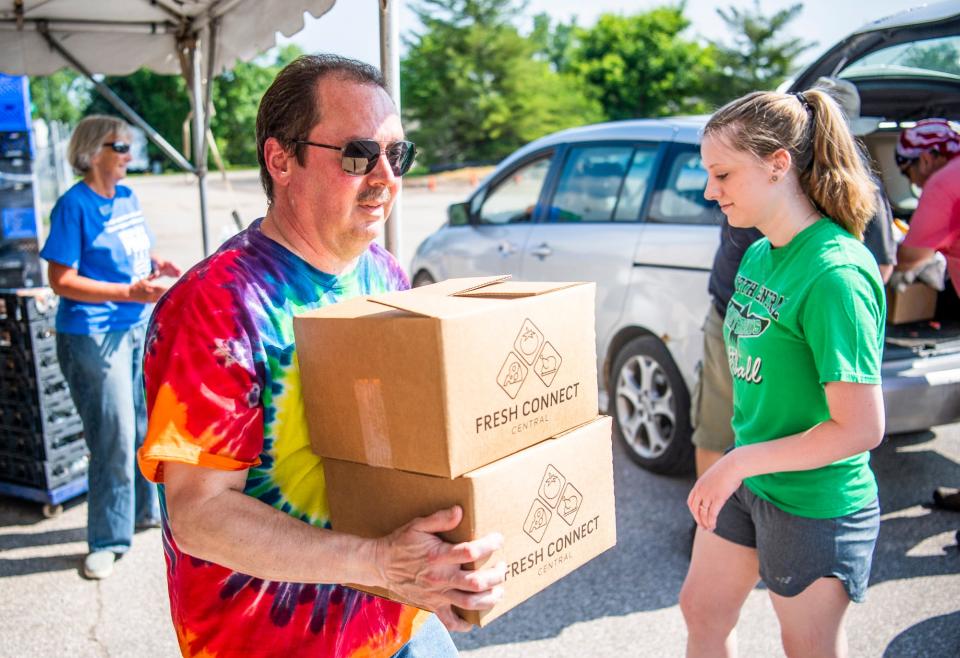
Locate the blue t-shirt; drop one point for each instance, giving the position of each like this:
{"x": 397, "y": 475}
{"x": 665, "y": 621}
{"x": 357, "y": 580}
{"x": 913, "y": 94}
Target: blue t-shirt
{"x": 103, "y": 239}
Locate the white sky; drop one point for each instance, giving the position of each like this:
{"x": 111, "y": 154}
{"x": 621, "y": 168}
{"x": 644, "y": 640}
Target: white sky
{"x": 351, "y": 28}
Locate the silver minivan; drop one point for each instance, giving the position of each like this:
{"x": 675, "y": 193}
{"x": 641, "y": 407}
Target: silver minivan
{"x": 622, "y": 204}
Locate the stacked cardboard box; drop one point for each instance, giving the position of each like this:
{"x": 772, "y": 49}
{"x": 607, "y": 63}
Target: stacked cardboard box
{"x": 477, "y": 392}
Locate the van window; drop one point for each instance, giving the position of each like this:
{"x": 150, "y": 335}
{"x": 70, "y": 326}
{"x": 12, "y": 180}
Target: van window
{"x": 681, "y": 201}
{"x": 914, "y": 58}
{"x": 590, "y": 184}
{"x": 636, "y": 184}
{"x": 515, "y": 197}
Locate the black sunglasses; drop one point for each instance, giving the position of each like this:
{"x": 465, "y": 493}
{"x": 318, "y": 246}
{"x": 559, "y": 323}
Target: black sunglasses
{"x": 905, "y": 165}
{"x": 118, "y": 147}
{"x": 359, "y": 156}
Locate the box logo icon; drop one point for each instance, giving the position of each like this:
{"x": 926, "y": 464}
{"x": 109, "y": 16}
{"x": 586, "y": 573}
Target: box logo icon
{"x": 554, "y": 492}
{"x": 513, "y": 372}
{"x": 547, "y": 364}
{"x": 551, "y": 485}
{"x": 537, "y": 520}
{"x": 528, "y": 342}
{"x": 570, "y": 501}
{"x": 531, "y": 349}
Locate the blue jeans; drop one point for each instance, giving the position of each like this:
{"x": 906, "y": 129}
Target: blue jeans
{"x": 105, "y": 375}
{"x": 431, "y": 641}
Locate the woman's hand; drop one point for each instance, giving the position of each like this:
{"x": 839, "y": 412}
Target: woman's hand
{"x": 145, "y": 291}
{"x": 711, "y": 491}
{"x": 163, "y": 268}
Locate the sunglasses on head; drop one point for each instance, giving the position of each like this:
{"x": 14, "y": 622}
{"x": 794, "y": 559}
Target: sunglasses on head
{"x": 359, "y": 157}
{"x": 118, "y": 147}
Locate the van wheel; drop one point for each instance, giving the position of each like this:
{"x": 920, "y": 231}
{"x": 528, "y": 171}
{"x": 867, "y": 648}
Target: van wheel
{"x": 650, "y": 406}
{"x": 422, "y": 278}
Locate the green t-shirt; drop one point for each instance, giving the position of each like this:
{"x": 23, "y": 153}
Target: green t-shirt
{"x": 802, "y": 315}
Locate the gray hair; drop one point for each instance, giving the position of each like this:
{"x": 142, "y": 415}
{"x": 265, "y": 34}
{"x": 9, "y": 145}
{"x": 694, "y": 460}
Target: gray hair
{"x": 89, "y": 136}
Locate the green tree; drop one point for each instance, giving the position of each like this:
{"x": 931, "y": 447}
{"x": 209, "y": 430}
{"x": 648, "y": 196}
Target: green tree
{"x": 163, "y": 102}
{"x": 759, "y": 58}
{"x": 160, "y": 99}
{"x": 60, "y": 96}
{"x": 554, "y": 41}
{"x": 236, "y": 99}
{"x": 473, "y": 88}
{"x": 640, "y": 65}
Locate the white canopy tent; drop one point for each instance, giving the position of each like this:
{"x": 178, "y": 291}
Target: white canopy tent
{"x": 198, "y": 39}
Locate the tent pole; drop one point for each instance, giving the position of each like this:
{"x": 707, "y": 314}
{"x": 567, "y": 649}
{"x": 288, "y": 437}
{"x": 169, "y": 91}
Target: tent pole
{"x": 118, "y": 103}
{"x": 390, "y": 67}
{"x": 199, "y": 146}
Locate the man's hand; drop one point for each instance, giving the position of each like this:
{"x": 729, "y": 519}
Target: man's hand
{"x": 418, "y": 566}
{"x": 145, "y": 292}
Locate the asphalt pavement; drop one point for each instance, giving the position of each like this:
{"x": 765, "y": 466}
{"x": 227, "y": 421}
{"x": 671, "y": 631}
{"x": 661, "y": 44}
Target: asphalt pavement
{"x": 623, "y": 603}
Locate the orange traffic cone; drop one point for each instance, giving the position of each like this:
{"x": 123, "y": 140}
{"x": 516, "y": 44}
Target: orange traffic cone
{"x": 432, "y": 183}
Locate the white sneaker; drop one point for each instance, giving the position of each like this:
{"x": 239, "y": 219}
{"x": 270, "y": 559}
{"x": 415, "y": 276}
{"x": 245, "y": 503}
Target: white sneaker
{"x": 98, "y": 565}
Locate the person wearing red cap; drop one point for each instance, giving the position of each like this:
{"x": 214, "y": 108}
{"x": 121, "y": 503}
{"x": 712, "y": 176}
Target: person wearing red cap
{"x": 927, "y": 155}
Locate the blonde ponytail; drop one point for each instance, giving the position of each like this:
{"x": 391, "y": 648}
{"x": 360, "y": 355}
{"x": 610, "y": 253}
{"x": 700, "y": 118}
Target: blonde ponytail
{"x": 837, "y": 180}
{"x": 810, "y": 126}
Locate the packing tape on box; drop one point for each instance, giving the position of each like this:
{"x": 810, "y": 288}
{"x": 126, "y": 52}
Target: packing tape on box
{"x": 373, "y": 421}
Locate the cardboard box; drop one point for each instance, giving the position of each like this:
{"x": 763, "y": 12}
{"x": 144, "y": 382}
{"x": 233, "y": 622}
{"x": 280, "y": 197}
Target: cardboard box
{"x": 916, "y": 302}
{"x": 553, "y": 503}
{"x": 446, "y": 378}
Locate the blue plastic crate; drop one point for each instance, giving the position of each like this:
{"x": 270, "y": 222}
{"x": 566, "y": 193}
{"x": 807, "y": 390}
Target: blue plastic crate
{"x": 19, "y": 223}
{"x": 14, "y": 103}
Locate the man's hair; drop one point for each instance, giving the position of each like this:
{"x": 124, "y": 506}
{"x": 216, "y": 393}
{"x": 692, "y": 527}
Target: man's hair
{"x": 89, "y": 137}
{"x": 291, "y": 107}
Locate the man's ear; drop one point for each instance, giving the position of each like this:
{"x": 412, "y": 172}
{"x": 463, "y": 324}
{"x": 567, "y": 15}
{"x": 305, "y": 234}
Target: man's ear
{"x": 279, "y": 161}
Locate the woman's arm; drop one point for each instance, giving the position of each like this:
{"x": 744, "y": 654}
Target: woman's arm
{"x": 67, "y": 282}
{"x": 856, "y": 424}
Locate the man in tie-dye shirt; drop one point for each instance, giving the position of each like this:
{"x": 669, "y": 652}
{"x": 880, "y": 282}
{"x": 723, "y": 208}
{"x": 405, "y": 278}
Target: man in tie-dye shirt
{"x": 253, "y": 566}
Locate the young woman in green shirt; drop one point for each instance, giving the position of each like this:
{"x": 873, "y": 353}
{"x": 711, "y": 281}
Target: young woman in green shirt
{"x": 795, "y": 502}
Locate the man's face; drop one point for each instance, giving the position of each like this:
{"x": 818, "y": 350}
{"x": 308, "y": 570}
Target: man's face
{"x": 339, "y": 212}
{"x": 918, "y": 171}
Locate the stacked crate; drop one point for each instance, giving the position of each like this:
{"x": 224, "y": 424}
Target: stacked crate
{"x": 41, "y": 436}
{"x": 19, "y": 259}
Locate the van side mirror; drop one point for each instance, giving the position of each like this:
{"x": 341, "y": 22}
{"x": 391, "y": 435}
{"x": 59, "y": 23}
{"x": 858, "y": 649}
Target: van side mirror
{"x": 458, "y": 214}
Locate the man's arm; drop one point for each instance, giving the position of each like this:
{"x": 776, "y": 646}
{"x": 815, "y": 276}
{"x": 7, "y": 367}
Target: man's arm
{"x": 910, "y": 258}
{"x": 212, "y": 519}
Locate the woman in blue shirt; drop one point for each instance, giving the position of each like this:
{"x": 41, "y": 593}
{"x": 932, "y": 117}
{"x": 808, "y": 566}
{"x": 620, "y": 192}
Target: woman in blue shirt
{"x": 101, "y": 265}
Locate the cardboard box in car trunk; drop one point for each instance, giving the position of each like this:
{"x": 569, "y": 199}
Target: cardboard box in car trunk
{"x": 915, "y": 302}
{"x": 446, "y": 378}
{"x": 552, "y": 502}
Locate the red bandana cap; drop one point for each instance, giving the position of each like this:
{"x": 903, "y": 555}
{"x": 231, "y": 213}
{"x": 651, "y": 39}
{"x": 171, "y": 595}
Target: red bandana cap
{"x": 928, "y": 135}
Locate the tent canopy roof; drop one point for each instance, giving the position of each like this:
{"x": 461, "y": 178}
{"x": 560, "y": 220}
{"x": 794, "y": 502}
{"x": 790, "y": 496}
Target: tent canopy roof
{"x": 117, "y": 37}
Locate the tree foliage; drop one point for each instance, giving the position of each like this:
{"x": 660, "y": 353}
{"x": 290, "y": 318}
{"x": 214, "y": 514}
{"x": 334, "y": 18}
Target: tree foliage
{"x": 759, "y": 57}
{"x": 236, "y": 99}
{"x": 61, "y": 96}
{"x": 160, "y": 99}
{"x": 163, "y": 102}
{"x": 473, "y": 89}
{"x": 640, "y": 65}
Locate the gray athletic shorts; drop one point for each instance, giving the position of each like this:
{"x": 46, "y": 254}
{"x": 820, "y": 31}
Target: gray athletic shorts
{"x": 794, "y": 551}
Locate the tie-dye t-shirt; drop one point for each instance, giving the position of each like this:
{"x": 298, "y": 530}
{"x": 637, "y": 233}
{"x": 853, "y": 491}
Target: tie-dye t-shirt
{"x": 223, "y": 391}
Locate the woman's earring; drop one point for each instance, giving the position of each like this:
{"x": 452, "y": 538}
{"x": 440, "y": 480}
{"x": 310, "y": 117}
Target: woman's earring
{"x": 773, "y": 179}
